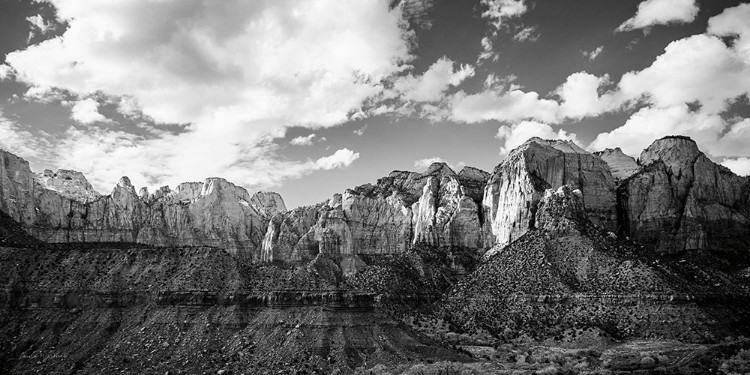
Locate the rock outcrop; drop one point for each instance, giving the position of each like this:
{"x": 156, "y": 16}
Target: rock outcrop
{"x": 681, "y": 200}
{"x": 621, "y": 165}
{"x": 210, "y": 213}
{"x": 437, "y": 207}
{"x": 513, "y": 192}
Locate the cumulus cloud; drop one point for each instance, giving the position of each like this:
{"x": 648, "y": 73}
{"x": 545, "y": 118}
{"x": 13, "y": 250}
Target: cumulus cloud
{"x": 661, "y": 12}
{"x": 498, "y": 11}
{"x": 740, "y": 166}
{"x": 591, "y": 55}
{"x": 688, "y": 88}
{"x": 86, "y": 111}
{"x": 19, "y": 140}
{"x": 303, "y": 140}
{"x": 38, "y": 26}
{"x": 238, "y": 73}
{"x": 431, "y": 85}
{"x": 505, "y": 106}
{"x": 5, "y": 72}
{"x": 339, "y": 159}
{"x": 580, "y": 96}
{"x": 515, "y": 135}
{"x": 426, "y": 162}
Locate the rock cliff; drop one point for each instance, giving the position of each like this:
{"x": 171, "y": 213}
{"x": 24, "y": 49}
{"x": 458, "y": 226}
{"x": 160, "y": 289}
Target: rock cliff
{"x": 62, "y": 207}
{"x": 437, "y": 207}
{"x": 513, "y": 192}
{"x": 621, "y": 165}
{"x": 681, "y": 200}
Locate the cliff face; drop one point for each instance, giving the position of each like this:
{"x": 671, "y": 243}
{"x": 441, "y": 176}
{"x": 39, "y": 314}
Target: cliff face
{"x": 517, "y": 184}
{"x": 621, "y": 165}
{"x": 437, "y": 207}
{"x": 680, "y": 200}
{"x": 211, "y": 213}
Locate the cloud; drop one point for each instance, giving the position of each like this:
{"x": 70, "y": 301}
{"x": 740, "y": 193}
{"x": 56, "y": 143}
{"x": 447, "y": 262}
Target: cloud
{"x": 426, "y": 162}
{"x": 5, "y": 72}
{"x": 580, "y": 97}
{"x": 19, "y": 140}
{"x": 303, "y": 141}
{"x": 591, "y": 55}
{"x": 360, "y": 131}
{"x": 688, "y": 89}
{"x": 86, "y": 111}
{"x": 527, "y": 34}
{"x": 515, "y": 135}
{"x": 487, "y": 52}
{"x": 431, "y": 85}
{"x": 418, "y": 12}
{"x": 38, "y": 26}
{"x": 500, "y": 105}
{"x": 498, "y": 11}
{"x": 236, "y": 73}
{"x": 740, "y": 166}
{"x": 661, "y": 12}
{"x": 340, "y": 159}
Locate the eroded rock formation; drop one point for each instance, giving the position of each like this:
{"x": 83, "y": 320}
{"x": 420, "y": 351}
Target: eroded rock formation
{"x": 621, "y": 165}
{"x": 681, "y": 200}
{"x": 519, "y": 182}
{"x": 210, "y": 213}
{"x": 437, "y": 207}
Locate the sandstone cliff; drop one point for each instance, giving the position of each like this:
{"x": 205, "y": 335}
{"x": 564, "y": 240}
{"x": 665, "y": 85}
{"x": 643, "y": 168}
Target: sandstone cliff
{"x": 517, "y": 184}
{"x": 621, "y": 165}
{"x": 437, "y": 207}
{"x": 62, "y": 207}
{"x": 680, "y": 200}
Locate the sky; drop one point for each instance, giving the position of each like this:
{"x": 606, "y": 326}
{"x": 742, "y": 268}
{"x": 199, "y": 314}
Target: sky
{"x": 310, "y": 97}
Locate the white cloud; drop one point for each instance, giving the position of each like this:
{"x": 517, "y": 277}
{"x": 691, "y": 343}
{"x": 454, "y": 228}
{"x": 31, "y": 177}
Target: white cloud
{"x": 740, "y": 166}
{"x": 5, "y": 72}
{"x": 515, "y": 135}
{"x": 431, "y": 85}
{"x": 17, "y": 139}
{"x": 591, "y": 55}
{"x": 487, "y": 52}
{"x": 361, "y": 130}
{"x": 86, "y": 111}
{"x": 527, "y": 34}
{"x": 422, "y": 164}
{"x": 498, "y": 11}
{"x": 496, "y": 104}
{"x": 580, "y": 97}
{"x": 38, "y": 26}
{"x": 661, "y": 12}
{"x": 649, "y": 124}
{"x": 239, "y": 73}
{"x": 340, "y": 159}
{"x": 303, "y": 141}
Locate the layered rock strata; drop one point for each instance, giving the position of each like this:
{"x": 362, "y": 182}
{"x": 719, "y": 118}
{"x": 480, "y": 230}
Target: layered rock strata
{"x": 621, "y": 165}
{"x": 681, "y": 200}
{"x": 513, "y": 192}
{"x": 437, "y": 207}
{"x": 210, "y": 213}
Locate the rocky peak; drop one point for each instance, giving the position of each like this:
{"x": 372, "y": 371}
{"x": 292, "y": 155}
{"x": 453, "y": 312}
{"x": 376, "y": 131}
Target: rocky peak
{"x": 70, "y": 184}
{"x": 677, "y": 152}
{"x": 268, "y": 203}
{"x": 439, "y": 169}
{"x": 124, "y": 185}
{"x": 471, "y": 173}
{"x": 565, "y": 146}
{"x": 621, "y": 165}
{"x": 519, "y": 182}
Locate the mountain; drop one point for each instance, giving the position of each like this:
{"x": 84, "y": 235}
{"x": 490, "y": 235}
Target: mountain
{"x": 679, "y": 200}
{"x": 62, "y": 207}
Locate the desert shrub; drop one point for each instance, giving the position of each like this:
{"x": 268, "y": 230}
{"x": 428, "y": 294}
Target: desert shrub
{"x": 737, "y": 364}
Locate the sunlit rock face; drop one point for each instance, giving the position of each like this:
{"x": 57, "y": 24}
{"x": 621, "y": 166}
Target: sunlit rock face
{"x": 681, "y": 200}
{"x": 211, "y": 213}
{"x": 513, "y": 192}
{"x": 621, "y": 165}
{"x": 437, "y": 207}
